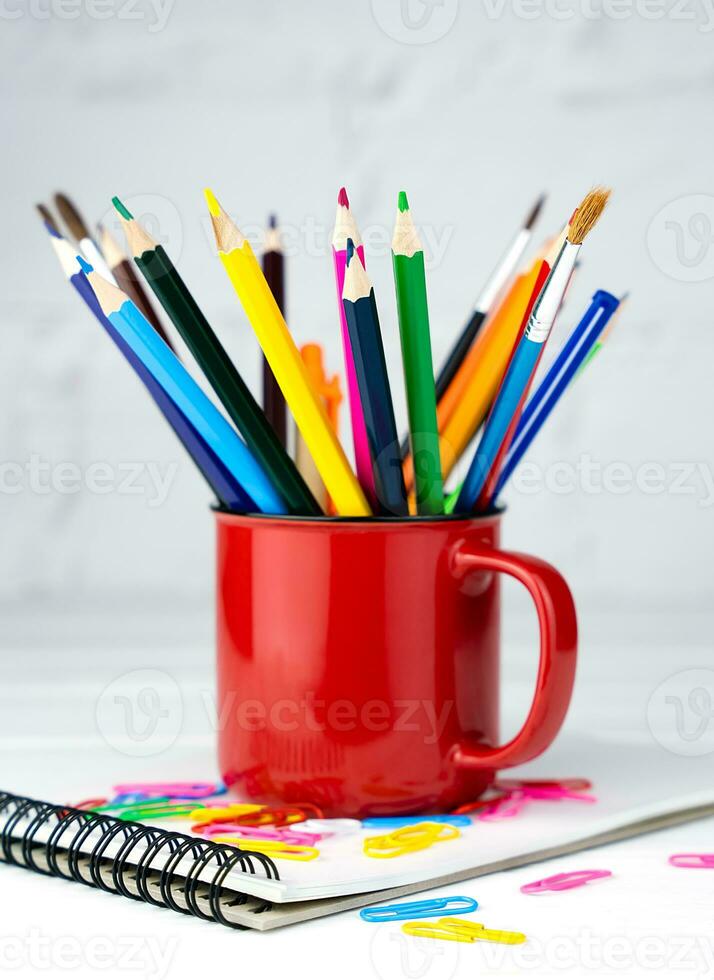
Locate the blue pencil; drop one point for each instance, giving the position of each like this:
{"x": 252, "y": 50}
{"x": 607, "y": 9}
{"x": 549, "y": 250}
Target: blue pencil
{"x": 566, "y": 365}
{"x": 178, "y": 384}
{"x": 229, "y": 492}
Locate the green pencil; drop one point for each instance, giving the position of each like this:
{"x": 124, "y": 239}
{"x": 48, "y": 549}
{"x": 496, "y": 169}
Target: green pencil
{"x": 413, "y": 310}
{"x": 219, "y": 369}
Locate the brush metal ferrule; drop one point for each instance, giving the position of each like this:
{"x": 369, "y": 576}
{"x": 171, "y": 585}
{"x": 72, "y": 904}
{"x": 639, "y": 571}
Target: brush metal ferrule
{"x": 548, "y": 303}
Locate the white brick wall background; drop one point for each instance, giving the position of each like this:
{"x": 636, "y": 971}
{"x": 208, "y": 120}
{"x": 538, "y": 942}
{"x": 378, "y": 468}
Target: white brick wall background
{"x": 275, "y": 104}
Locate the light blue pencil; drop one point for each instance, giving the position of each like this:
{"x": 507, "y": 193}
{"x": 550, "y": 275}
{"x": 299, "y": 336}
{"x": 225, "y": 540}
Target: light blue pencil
{"x": 169, "y": 372}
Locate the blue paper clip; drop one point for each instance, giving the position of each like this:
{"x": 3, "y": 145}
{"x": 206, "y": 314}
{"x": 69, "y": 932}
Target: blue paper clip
{"x": 428, "y": 909}
{"x": 455, "y": 819}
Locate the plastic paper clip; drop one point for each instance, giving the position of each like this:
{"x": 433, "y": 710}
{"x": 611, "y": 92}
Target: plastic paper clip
{"x": 161, "y": 811}
{"x": 462, "y": 931}
{"x": 428, "y": 908}
{"x": 692, "y": 860}
{"x": 456, "y": 820}
{"x": 575, "y": 784}
{"x": 563, "y": 882}
{"x": 416, "y": 837}
{"x": 91, "y": 804}
{"x": 185, "y": 791}
{"x": 213, "y": 814}
{"x": 286, "y": 834}
{"x": 273, "y": 848}
{"x": 340, "y": 825}
{"x": 127, "y": 802}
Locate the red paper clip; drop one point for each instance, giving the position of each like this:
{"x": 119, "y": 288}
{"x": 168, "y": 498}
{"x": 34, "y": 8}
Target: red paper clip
{"x": 692, "y": 860}
{"x": 563, "y": 882}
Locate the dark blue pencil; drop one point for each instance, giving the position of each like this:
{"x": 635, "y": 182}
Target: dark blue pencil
{"x": 373, "y": 382}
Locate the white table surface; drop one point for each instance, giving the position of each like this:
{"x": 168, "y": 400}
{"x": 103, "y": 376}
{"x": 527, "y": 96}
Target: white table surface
{"x": 648, "y": 919}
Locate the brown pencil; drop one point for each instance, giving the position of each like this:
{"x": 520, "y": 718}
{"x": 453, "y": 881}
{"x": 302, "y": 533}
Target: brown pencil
{"x": 274, "y": 272}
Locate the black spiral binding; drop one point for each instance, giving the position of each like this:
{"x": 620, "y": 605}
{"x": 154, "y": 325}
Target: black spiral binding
{"x": 144, "y": 863}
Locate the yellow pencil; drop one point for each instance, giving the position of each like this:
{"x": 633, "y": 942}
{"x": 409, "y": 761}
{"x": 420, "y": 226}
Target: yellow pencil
{"x": 286, "y": 364}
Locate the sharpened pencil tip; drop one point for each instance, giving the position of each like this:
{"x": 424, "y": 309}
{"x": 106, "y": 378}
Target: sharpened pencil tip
{"x": 534, "y": 212}
{"x": 123, "y": 211}
{"x": 84, "y": 265}
{"x": 350, "y": 250}
{"x": 342, "y": 198}
{"x": 273, "y": 220}
{"x": 403, "y": 203}
{"x": 212, "y": 202}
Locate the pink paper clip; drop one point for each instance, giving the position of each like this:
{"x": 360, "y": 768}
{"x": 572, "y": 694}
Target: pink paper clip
{"x": 505, "y": 808}
{"x": 563, "y": 882}
{"x": 692, "y": 860}
{"x": 284, "y": 834}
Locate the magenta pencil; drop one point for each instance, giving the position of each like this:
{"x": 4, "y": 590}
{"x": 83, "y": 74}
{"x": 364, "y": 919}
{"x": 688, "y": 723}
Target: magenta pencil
{"x": 346, "y": 227}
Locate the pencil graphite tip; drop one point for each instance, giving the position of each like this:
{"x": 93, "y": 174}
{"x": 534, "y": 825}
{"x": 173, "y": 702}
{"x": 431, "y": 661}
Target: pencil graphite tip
{"x": 402, "y": 202}
{"x": 212, "y": 202}
{"x": 273, "y": 221}
{"x": 342, "y": 198}
{"x": 350, "y": 250}
{"x": 84, "y": 265}
{"x": 123, "y": 211}
{"x": 534, "y": 213}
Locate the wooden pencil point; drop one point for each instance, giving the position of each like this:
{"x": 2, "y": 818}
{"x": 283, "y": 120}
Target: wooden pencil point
{"x": 111, "y": 250}
{"x": 357, "y": 283}
{"x": 588, "y": 214}
{"x": 109, "y": 297}
{"x": 405, "y": 240}
{"x": 228, "y": 235}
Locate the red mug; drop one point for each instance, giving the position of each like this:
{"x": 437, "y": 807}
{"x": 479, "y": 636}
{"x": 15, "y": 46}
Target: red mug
{"x": 358, "y": 661}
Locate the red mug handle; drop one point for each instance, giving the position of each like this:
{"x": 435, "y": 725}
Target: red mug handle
{"x": 558, "y": 643}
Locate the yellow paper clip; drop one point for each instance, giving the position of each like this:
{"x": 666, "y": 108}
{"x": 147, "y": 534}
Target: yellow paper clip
{"x": 215, "y": 813}
{"x": 416, "y": 837}
{"x": 462, "y": 931}
{"x": 273, "y": 848}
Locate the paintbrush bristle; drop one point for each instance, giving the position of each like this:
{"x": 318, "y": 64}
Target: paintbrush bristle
{"x": 71, "y": 217}
{"x": 588, "y": 214}
{"x": 48, "y": 218}
{"x": 534, "y": 212}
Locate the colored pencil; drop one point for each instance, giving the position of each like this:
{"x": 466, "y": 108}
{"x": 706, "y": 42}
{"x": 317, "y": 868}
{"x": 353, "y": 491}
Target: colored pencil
{"x": 470, "y": 395}
{"x": 274, "y": 271}
{"x": 229, "y": 493}
{"x": 479, "y": 485}
{"x": 346, "y": 227}
{"x": 375, "y": 395}
{"x": 267, "y": 321}
{"x": 173, "y": 377}
{"x": 573, "y": 355}
{"x": 126, "y": 278}
{"x": 413, "y": 312}
{"x": 219, "y": 369}
{"x": 80, "y": 232}
{"x": 506, "y": 267}
{"x": 328, "y": 390}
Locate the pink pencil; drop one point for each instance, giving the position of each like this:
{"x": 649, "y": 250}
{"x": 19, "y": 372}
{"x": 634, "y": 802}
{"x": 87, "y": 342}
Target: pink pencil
{"x": 346, "y": 227}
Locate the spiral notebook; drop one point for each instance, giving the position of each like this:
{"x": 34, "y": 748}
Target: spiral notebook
{"x": 639, "y": 789}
